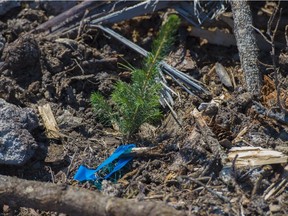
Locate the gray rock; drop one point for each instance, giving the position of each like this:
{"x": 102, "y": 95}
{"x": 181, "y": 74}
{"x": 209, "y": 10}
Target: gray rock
{"x": 17, "y": 145}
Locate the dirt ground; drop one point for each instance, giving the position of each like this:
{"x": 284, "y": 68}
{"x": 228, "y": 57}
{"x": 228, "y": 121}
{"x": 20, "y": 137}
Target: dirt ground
{"x": 40, "y": 70}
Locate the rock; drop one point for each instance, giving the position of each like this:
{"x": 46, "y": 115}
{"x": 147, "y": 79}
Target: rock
{"x": 17, "y": 145}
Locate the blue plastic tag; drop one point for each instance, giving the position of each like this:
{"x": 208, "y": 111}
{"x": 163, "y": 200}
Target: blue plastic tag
{"x": 85, "y": 174}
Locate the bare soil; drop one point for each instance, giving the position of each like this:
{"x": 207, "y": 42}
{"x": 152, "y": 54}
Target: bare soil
{"x": 40, "y": 70}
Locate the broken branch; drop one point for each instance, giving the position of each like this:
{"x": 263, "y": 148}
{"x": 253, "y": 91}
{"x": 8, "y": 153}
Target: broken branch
{"x": 17, "y": 192}
{"x": 246, "y": 43}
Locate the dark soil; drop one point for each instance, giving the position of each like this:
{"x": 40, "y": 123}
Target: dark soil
{"x": 37, "y": 70}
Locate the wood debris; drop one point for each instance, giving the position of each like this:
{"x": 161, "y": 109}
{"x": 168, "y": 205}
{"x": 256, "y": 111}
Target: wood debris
{"x": 49, "y": 121}
{"x": 246, "y": 43}
{"x": 208, "y": 134}
{"x": 256, "y": 156}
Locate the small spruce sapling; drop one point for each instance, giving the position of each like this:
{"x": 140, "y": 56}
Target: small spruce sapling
{"x": 138, "y": 102}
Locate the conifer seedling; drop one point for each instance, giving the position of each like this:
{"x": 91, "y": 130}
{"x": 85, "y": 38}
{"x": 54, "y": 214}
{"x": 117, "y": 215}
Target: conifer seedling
{"x": 138, "y": 102}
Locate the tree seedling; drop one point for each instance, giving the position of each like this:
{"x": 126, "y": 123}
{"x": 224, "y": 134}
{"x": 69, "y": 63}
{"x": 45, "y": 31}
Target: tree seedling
{"x": 132, "y": 104}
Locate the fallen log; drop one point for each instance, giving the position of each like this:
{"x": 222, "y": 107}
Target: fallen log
{"x": 70, "y": 200}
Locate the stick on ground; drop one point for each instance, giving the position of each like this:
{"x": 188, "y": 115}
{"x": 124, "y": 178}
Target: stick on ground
{"x": 246, "y": 43}
{"x": 17, "y": 193}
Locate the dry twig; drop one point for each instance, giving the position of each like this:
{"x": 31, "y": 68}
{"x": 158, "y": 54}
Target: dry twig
{"x": 271, "y": 33}
{"x": 221, "y": 197}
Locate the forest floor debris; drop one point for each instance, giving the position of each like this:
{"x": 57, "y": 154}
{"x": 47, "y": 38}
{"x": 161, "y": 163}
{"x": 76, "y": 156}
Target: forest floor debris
{"x": 186, "y": 165}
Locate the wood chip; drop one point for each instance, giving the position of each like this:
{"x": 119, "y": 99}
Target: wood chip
{"x": 49, "y": 122}
{"x": 256, "y": 156}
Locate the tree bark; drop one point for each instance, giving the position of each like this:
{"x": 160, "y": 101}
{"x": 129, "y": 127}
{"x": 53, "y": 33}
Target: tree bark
{"x": 17, "y": 192}
{"x": 246, "y": 43}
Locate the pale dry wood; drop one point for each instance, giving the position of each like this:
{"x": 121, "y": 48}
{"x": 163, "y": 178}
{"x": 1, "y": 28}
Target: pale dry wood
{"x": 70, "y": 200}
{"x": 256, "y": 156}
{"x": 240, "y": 135}
{"x": 147, "y": 152}
{"x": 277, "y": 187}
{"x": 49, "y": 121}
{"x": 283, "y": 149}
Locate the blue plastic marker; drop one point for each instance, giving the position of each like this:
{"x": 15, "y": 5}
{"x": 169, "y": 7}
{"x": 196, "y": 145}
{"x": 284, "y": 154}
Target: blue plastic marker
{"x": 85, "y": 174}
